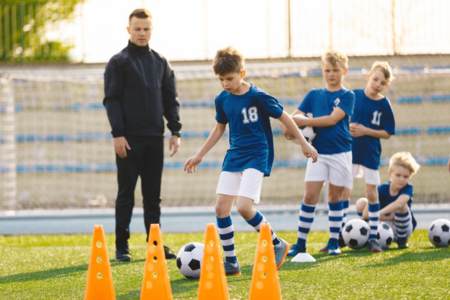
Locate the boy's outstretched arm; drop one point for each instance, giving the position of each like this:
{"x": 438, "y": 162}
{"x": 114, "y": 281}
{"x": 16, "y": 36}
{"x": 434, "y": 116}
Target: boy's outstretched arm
{"x": 298, "y": 138}
{"x": 401, "y": 201}
{"x": 325, "y": 121}
{"x": 214, "y": 136}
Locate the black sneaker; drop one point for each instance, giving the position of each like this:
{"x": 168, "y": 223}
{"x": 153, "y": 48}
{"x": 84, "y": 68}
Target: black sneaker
{"x": 168, "y": 253}
{"x": 231, "y": 269}
{"x": 402, "y": 243}
{"x": 374, "y": 246}
{"x": 123, "y": 255}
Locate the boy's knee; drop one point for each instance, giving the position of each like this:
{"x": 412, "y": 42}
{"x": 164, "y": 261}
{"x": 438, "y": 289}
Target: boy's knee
{"x": 309, "y": 199}
{"x": 361, "y": 204}
{"x": 245, "y": 211}
{"x": 403, "y": 209}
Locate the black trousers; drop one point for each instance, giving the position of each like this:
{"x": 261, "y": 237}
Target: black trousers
{"x": 144, "y": 160}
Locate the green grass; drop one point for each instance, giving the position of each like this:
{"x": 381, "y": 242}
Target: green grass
{"x": 54, "y": 267}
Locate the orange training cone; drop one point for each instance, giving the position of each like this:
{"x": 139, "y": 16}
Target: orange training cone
{"x": 265, "y": 281}
{"x": 99, "y": 278}
{"x": 213, "y": 283}
{"x": 156, "y": 283}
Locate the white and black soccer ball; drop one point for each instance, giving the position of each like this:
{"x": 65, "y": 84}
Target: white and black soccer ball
{"x": 355, "y": 233}
{"x": 439, "y": 233}
{"x": 385, "y": 235}
{"x": 189, "y": 259}
{"x": 309, "y": 133}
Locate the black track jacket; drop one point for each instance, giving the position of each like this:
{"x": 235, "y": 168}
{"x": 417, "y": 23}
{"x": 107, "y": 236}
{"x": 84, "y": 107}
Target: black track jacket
{"x": 139, "y": 90}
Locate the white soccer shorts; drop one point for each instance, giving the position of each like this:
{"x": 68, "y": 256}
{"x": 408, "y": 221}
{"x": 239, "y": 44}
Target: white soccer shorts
{"x": 246, "y": 184}
{"x": 370, "y": 176}
{"x": 334, "y": 168}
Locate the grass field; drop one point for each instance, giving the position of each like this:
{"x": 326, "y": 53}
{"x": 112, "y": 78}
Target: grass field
{"x": 54, "y": 267}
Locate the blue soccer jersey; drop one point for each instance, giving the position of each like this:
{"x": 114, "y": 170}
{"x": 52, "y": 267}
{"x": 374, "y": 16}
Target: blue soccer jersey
{"x": 321, "y": 102}
{"x": 250, "y": 133}
{"x": 374, "y": 114}
{"x": 386, "y": 198}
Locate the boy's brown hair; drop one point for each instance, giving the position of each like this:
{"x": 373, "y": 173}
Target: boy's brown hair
{"x": 405, "y": 160}
{"x": 228, "y": 60}
{"x": 335, "y": 58}
{"x": 385, "y": 68}
{"x": 140, "y": 13}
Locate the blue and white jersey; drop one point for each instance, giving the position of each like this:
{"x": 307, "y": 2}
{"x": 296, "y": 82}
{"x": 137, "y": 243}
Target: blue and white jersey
{"x": 250, "y": 133}
{"x": 374, "y": 114}
{"x": 321, "y": 102}
{"x": 386, "y": 198}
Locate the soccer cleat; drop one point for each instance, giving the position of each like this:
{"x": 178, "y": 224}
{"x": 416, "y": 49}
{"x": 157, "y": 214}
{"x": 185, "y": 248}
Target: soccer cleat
{"x": 281, "y": 251}
{"x": 335, "y": 251}
{"x": 123, "y": 255}
{"x": 341, "y": 244}
{"x": 296, "y": 249}
{"x": 231, "y": 268}
{"x": 402, "y": 243}
{"x": 168, "y": 253}
{"x": 374, "y": 246}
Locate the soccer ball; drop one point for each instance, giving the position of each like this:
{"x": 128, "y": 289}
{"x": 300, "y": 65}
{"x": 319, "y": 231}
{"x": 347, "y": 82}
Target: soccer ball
{"x": 309, "y": 133}
{"x": 385, "y": 235}
{"x": 189, "y": 259}
{"x": 439, "y": 233}
{"x": 355, "y": 233}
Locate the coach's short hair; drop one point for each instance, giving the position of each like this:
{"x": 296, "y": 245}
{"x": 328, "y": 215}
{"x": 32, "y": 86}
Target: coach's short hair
{"x": 140, "y": 13}
{"x": 228, "y": 60}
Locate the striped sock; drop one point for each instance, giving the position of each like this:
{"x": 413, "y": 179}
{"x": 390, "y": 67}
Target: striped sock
{"x": 256, "y": 222}
{"x": 305, "y": 220}
{"x": 226, "y": 233}
{"x": 335, "y": 220}
{"x": 401, "y": 222}
{"x": 374, "y": 219}
{"x": 345, "y": 204}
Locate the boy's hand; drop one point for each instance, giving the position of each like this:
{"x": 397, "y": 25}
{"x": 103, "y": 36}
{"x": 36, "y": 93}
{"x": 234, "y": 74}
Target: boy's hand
{"x": 300, "y": 120}
{"x": 357, "y": 130}
{"x": 310, "y": 152}
{"x": 190, "y": 166}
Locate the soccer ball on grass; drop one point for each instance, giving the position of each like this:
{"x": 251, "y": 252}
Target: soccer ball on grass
{"x": 355, "y": 233}
{"x": 189, "y": 259}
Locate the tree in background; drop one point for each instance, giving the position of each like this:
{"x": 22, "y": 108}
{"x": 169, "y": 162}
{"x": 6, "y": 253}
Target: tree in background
{"x": 25, "y": 26}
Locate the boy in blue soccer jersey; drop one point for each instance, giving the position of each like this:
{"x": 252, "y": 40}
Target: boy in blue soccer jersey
{"x": 247, "y": 110}
{"x": 396, "y": 197}
{"x": 331, "y": 108}
{"x": 372, "y": 120}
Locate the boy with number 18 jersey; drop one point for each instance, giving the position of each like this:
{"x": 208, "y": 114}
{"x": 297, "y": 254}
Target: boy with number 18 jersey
{"x": 247, "y": 111}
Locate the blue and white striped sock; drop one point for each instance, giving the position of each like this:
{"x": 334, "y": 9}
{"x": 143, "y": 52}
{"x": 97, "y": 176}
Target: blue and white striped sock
{"x": 335, "y": 213}
{"x": 345, "y": 204}
{"x": 226, "y": 233}
{"x": 401, "y": 222}
{"x": 374, "y": 220}
{"x": 256, "y": 222}
{"x": 305, "y": 220}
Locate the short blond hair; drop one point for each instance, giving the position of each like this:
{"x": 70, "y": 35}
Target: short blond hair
{"x": 335, "y": 58}
{"x": 405, "y": 160}
{"x": 384, "y": 67}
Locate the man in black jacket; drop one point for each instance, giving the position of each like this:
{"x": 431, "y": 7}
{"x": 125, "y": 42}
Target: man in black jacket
{"x": 139, "y": 91}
